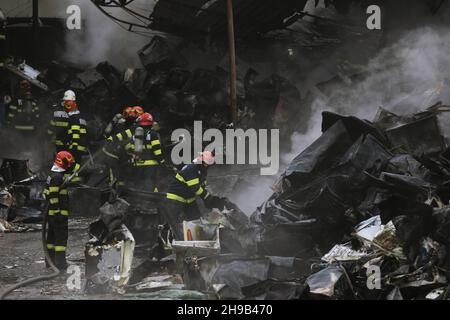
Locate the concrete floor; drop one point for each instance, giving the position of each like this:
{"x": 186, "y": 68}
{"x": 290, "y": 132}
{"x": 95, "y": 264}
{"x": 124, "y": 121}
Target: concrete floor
{"x": 22, "y": 258}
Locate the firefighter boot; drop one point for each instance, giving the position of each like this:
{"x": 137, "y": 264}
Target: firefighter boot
{"x": 60, "y": 260}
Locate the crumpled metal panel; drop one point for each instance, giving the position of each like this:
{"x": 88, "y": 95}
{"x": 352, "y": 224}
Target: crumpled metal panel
{"x": 418, "y": 137}
{"x": 108, "y": 265}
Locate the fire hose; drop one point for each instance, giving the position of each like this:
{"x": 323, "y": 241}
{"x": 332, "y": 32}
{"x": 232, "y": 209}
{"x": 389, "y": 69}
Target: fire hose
{"x": 55, "y": 273}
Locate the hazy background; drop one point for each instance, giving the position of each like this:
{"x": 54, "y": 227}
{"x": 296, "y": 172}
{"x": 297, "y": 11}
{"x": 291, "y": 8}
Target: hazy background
{"x": 103, "y": 39}
{"x": 407, "y": 73}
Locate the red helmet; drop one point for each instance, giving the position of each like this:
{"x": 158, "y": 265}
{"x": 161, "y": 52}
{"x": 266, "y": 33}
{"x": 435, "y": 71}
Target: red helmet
{"x": 70, "y": 105}
{"x": 126, "y": 113}
{"x": 25, "y": 85}
{"x": 64, "y": 160}
{"x": 138, "y": 110}
{"x": 146, "y": 119}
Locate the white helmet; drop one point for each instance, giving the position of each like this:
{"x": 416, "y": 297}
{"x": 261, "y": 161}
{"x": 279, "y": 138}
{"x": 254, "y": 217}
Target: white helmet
{"x": 69, "y": 95}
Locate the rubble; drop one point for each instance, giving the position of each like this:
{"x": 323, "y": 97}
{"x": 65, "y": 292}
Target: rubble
{"x": 108, "y": 264}
{"x": 376, "y": 189}
{"x": 366, "y": 195}
{"x": 109, "y": 252}
{"x": 6, "y": 201}
{"x": 327, "y": 189}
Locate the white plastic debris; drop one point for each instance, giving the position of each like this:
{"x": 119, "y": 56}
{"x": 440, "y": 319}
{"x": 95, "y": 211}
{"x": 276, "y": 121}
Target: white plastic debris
{"x": 4, "y": 226}
{"x": 435, "y": 294}
{"x": 324, "y": 281}
{"x": 342, "y": 253}
{"x": 369, "y": 228}
{"x": 113, "y": 261}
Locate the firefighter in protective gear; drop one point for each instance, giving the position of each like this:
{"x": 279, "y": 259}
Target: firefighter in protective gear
{"x": 146, "y": 154}
{"x": 188, "y": 184}
{"x": 114, "y": 153}
{"x": 60, "y": 122}
{"x": 57, "y": 196}
{"x": 76, "y": 138}
{"x": 24, "y": 113}
{"x": 58, "y": 128}
{"x": 140, "y": 150}
{"x": 124, "y": 121}
{"x": 116, "y": 158}
{"x": 138, "y": 111}
{"x": 132, "y": 113}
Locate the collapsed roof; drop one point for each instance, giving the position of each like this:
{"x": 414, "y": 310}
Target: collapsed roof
{"x": 198, "y": 17}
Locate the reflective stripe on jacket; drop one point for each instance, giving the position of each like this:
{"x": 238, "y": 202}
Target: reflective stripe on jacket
{"x": 188, "y": 184}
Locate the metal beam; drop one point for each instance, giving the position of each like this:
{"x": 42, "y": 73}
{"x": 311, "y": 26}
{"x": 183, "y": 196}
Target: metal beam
{"x": 233, "y": 71}
{"x": 35, "y": 21}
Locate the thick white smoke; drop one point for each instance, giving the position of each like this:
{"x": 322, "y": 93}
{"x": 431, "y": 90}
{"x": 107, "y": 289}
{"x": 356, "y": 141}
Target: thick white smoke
{"x": 406, "y": 77}
{"x": 103, "y": 39}
{"x": 100, "y": 38}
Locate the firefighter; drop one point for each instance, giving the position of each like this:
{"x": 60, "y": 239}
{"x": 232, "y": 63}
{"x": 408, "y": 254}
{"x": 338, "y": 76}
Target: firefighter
{"x": 123, "y": 121}
{"x": 135, "y": 155}
{"x": 24, "y": 113}
{"x": 188, "y": 184}
{"x": 116, "y": 158}
{"x": 58, "y": 208}
{"x": 138, "y": 111}
{"x": 76, "y": 137}
{"x": 58, "y": 128}
{"x": 146, "y": 154}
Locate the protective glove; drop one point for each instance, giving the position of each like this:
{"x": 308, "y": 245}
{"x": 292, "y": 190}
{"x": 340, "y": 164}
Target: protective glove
{"x": 212, "y": 202}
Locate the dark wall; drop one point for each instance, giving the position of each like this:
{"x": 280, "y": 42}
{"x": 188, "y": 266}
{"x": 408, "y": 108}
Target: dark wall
{"x": 52, "y": 35}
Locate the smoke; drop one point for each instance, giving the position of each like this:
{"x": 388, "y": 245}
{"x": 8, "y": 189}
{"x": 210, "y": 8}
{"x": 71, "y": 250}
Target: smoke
{"x": 102, "y": 39}
{"x": 406, "y": 77}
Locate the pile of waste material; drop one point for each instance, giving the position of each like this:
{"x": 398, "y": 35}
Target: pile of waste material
{"x": 367, "y": 204}
{"x": 362, "y": 213}
{"x": 175, "y": 93}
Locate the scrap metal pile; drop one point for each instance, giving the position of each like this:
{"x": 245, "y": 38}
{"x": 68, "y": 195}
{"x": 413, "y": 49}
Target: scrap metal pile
{"x": 362, "y": 213}
{"x": 175, "y": 93}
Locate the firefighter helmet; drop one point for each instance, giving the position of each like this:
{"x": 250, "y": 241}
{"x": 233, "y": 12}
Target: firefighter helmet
{"x": 126, "y": 113}
{"x": 69, "y": 95}
{"x": 25, "y": 85}
{"x": 146, "y": 119}
{"x": 70, "y": 105}
{"x": 64, "y": 160}
{"x": 138, "y": 110}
